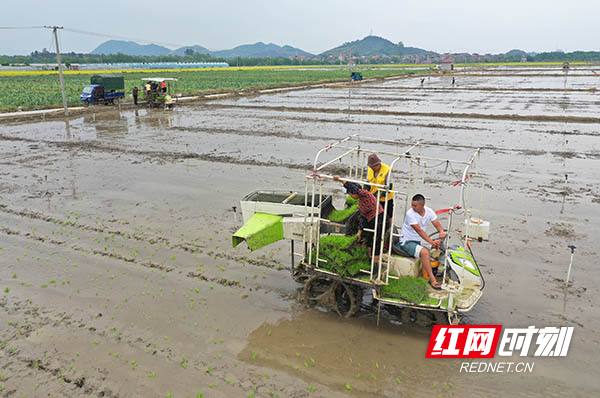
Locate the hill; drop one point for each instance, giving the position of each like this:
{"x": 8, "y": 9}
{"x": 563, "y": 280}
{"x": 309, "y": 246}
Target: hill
{"x": 516, "y": 53}
{"x": 261, "y": 50}
{"x": 256, "y": 50}
{"x": 373, "y": 45}
{"x": 197, "y": 49}
{"x": 130, "y": 48}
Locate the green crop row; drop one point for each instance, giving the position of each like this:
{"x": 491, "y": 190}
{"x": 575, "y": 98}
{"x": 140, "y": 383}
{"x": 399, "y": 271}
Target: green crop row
{"x": 43, "y": 91}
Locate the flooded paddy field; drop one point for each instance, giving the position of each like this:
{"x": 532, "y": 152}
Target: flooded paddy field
{"x": 118, "y": 277}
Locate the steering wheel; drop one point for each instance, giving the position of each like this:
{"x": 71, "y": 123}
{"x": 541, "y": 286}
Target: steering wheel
{"x": 433, "y": 236}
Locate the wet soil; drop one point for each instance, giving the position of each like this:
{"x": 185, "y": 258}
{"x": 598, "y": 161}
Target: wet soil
{"x": 118, "y": 278}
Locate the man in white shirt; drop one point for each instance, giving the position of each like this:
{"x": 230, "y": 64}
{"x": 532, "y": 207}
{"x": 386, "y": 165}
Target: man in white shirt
{"x": 413, "y": 232}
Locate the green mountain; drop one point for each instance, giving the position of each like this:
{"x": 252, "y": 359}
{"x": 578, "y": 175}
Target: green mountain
{"x": 373, "y": 45}
{"x": 256, "y": 50}
{"x": 516, "y": 53}
{"x": 260, "y": 50}
{"x": 130, "y": 48}
{"x": 197, "y": 49}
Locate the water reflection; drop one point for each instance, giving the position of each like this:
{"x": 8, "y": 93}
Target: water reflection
{"x": 157, "y": 118}
{"x": 107, "y": 124}
{"x": 334, "y": 351}
{"x": 68, "y": 129}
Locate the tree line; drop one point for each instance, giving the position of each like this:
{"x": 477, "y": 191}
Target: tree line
{"x": 46, "y": 57}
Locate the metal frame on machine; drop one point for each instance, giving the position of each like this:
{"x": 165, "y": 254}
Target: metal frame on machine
{"x": 357, "y": 156}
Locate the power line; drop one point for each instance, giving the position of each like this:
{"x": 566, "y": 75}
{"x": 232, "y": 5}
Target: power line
{"x": 21, "y": 27}
{"x": 104, "y": 35}
{"x": 83, "y": 32}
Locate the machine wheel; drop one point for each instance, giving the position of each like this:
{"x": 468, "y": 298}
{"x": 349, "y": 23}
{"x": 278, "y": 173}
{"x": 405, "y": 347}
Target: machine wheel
{"x": 345, "y": 300}
{"x": 333, "y": 295}
{"x": 300, "y": 276}
{"x": 315, "y": 289}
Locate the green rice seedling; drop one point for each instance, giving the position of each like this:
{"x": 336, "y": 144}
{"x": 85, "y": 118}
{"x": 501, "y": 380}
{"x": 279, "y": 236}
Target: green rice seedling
{"x": 413, "y": 289}
{"x": 351, "y": 206}
{"x": 343, "y": 254}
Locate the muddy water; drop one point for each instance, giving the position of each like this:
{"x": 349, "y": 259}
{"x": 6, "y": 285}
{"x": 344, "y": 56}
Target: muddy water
{"x": 115, "y": 246}
{"x": 482, "y": 102}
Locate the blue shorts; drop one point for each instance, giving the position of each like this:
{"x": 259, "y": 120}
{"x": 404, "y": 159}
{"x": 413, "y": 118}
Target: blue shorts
{"x": 411, "y": 247}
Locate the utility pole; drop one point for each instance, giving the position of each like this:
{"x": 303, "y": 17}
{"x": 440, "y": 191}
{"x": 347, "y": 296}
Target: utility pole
{"x": 350, "y": 60}
{"x": 60, "y": 69}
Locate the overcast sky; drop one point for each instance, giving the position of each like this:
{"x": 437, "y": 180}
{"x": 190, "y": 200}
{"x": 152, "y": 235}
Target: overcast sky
{"x": 480, "y": 26}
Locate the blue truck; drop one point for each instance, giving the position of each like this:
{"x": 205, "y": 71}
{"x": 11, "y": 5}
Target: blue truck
{"x": 103, "y": 89}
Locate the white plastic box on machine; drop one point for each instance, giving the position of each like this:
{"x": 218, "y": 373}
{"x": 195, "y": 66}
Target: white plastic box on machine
{"x": 478, "y": 229}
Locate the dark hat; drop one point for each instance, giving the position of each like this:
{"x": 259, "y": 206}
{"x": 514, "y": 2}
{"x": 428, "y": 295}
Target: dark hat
{"x": 352, "y": 188}
{"x": 373, "y": 160}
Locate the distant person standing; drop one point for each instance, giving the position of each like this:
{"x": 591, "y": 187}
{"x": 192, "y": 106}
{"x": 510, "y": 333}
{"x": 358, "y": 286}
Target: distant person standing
{"x": 422, "y": 81}
{"x": 135, "y": 95}
{"x": 453, "y": 81}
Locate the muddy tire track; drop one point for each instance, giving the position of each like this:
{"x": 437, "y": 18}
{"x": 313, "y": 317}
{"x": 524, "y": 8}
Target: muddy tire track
{"x": 57, "y": 368}
{"x": 300, "y": 109}
{"x": 525, "y": 74}
{"x": 370, "y": 122}
{"x": 164, "y": 156}
{"x": 137, "y": 236}
{"x": 148, "y": 264}
{"x": 508, "y": 89}
{"x": 102, "y": 253}
{"x": 90, "y": 385}
{"x": 172, "y": 156}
